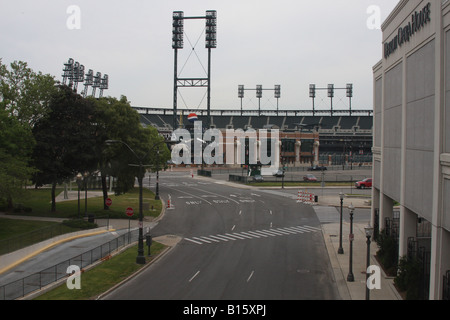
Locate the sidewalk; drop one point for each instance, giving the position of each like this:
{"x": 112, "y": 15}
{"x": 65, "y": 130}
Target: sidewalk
{"x": 341, "y": 262}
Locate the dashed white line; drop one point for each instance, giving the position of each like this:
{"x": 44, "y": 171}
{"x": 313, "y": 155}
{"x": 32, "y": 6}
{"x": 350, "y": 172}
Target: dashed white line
{"x": 250, "y": 276}
{"x": 190, "y": 280}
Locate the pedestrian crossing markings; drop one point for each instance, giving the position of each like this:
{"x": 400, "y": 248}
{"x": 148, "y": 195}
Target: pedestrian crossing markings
{"x": 256, "y": 234}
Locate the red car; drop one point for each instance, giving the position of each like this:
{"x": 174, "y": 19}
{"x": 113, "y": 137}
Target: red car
{"x": 366, "y": 183}
{"x": 309, "y": 178}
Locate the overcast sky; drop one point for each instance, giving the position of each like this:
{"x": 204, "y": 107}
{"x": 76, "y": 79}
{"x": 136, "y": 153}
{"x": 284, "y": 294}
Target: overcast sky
{"x": 288, "y": 42}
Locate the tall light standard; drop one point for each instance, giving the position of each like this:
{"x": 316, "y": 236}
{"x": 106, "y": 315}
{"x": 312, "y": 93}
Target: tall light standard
{"x": 350, "y": 277}
{"x": 369, "y": 232}
{"x": 341, "y": 250}
{"x": 140, "y": 259}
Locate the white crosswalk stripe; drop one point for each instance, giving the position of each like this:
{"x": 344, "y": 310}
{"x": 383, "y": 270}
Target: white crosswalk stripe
{"x": 252, "y": 234}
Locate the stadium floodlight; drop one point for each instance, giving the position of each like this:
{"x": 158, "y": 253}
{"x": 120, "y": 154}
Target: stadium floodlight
{"x": 350, "y": 95}
{"x": 312, "y": 90}
{"x": 259, "y": 91}
{"x": 88, "y": 81}
{"x": 349, "y": 90}
{"x": 277, "y": 91}
{"x": 104, "y": 83}
{"x": 96, "y": 83}
{"x": 68, "y": 71}
{"x": 330, "y": 90}
{"x": 211, "y": 29}
{"x": 177, "y": 30}
{"x": 241, "y": 91}
{"x": 78, "y": 75}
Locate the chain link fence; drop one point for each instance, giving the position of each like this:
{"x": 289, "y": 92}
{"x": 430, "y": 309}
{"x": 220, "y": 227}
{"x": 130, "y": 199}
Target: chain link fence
{"x": 39, "y": 280}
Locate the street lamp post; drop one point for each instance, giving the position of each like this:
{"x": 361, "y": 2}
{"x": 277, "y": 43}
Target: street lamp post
{"x": 369, "y": 233}
{"x": 350, "y": 277}
{"x": 140, "y": 259}
{"x": 341, "y": 250}
{"x": 79, "y": 176}
{"x": 85, "y": 193}
{"x": 157, "y": 175}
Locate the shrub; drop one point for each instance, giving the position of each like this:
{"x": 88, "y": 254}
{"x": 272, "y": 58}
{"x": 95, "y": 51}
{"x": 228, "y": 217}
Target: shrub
{"x": 387, "y": 254}
{"x": 408, "y": 277}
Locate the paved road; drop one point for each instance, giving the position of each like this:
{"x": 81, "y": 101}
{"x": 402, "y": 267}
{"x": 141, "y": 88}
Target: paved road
{"x": 236, "y": 243}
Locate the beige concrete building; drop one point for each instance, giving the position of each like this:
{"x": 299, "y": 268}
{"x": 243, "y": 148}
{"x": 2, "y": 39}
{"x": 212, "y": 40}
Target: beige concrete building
{"x": 411, "y": 168}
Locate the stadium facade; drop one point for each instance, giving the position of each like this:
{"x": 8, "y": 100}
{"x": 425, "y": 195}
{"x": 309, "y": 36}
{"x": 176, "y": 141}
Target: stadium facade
{"x": 411, "y": 168}
{"x": 306, "y": 139}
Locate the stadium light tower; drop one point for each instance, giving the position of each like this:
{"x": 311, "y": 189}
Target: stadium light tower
{"x": 104, "y": 84}
{"x": 331, "y": 95}
{"x": 312, "y": 94}
{"x": 259, "y": 93}
{"x": 177, "y": 44}
{"x": 88, "y": 81}
{"x": 96, "y": 84}
{"x": 277, "y": 94}
{"x": 350, "y": 95}
{"x": 241, "y": 94}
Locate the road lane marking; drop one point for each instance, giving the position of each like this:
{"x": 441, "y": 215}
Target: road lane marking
{"x": 190, "y": 280}
{"x": 218, "y": 237}
{"x": 219, "y": 195}
{"x": 209, "y": 239}
{"x": 251, "y": 275}
{"x": 248, "y": 235}
{"x": 192, "y": 241}
{"x": 202, "y": 240}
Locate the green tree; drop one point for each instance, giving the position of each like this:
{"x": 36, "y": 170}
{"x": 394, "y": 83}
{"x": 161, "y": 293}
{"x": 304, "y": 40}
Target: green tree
{"x": 25, "y": 93}
{"x": 65, "y": 140}
{"x": 116, "y": 120}
{"x": 15, "y": 149}
{"x": 24, "y": 98}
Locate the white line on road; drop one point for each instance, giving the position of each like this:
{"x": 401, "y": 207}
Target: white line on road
{"x": 192, "y": 241}
{"x": 251, "y": 275}
{"x": 194, "y": 276}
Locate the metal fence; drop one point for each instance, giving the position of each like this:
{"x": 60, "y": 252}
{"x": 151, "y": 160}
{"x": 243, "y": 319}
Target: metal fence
{"x": 39, "y": 280}
{"x": 446, "y": 287}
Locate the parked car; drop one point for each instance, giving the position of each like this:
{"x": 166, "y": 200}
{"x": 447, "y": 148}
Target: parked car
{"x": 309, "y": 178}
{"x": 279, "y": 174}
{"x": 258, "y": 178}
{"x": 317, "y": 168}
{"x": 366, "y": 183}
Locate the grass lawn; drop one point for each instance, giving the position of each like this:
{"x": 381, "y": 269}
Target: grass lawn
{"x": 104, "y": 276}
{"x": 39, "y": 201}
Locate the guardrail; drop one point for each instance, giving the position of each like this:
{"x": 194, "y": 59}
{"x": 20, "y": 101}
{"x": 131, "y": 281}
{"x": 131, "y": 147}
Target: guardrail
{"x": 22, "y": 287}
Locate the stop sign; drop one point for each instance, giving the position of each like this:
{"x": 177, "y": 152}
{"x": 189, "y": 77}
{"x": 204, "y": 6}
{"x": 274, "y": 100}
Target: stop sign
{"x": 108, "y": 202}
{"x": 129, "y": 212}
